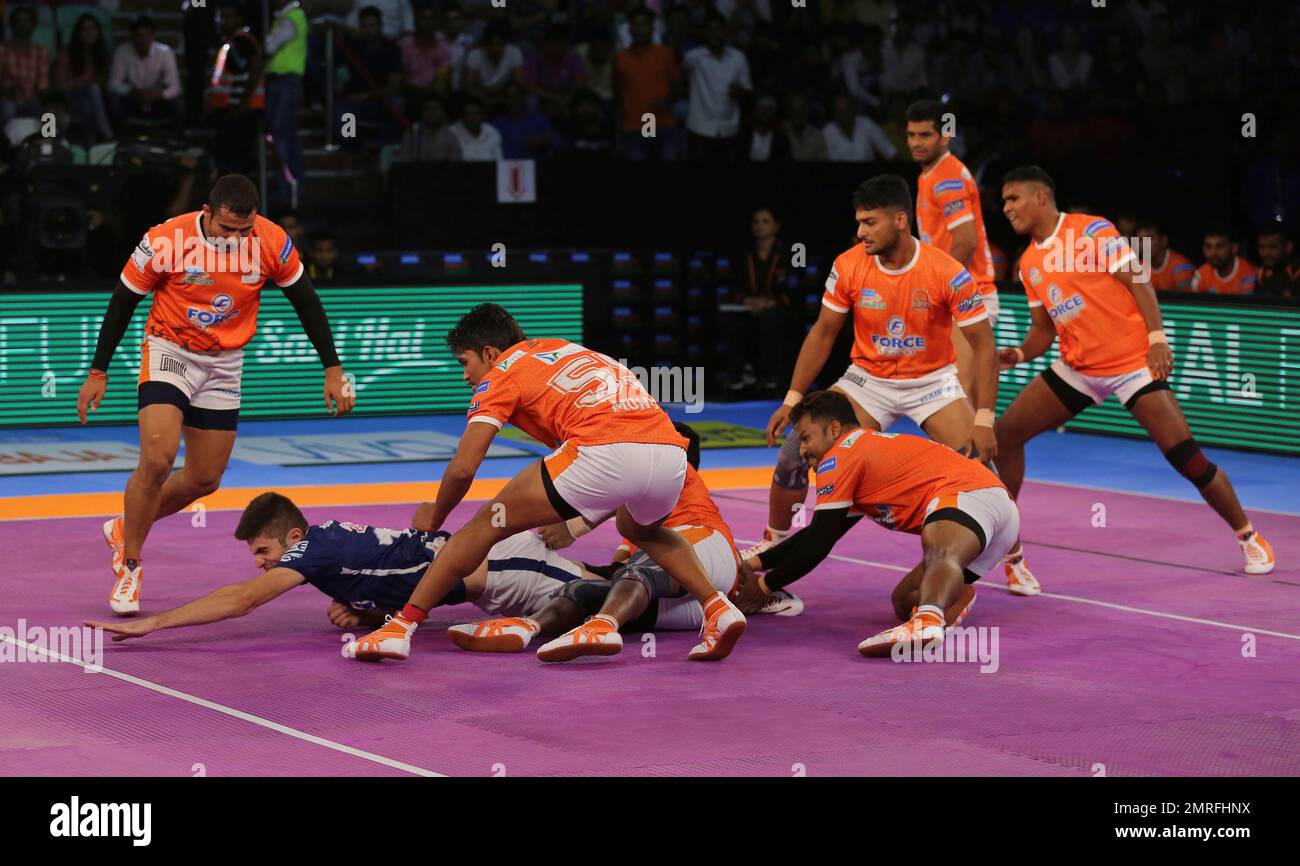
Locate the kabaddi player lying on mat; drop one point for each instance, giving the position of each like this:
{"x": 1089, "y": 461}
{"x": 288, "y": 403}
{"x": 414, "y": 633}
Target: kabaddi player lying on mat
{"x": 368, "y": 571}
{"x": 965, "y": 517}
{"x": 587, "y": 615}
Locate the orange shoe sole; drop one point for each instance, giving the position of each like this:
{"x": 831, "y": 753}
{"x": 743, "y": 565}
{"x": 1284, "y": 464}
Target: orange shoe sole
{"x": 569, "y": 652}
{"x": 501, "y": 643}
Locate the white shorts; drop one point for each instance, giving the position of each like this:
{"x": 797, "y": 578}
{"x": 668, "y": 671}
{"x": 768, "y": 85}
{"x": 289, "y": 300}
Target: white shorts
{"x": 992, "y": 509}
{"x": 595, "y": 480}
{"x": 1124, "y": 386}
{"x": 888, "y": 399}
{"x": 522, "y": 575}
{"x": 208, "y": 380}
{"x": 719, "y": 560}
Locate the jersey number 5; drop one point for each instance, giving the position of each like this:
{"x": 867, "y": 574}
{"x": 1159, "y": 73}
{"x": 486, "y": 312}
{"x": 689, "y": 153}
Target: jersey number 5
{"x": 612, "y": 381}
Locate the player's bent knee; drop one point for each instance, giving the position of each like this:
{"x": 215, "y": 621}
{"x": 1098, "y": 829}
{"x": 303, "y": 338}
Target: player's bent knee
{"x": 153, "y": 470}
{"x": 653, "y": 579}
{"x": 1191, "y": 463}
{"x": 791, "y": 469}
{"x": 586, "y": 595}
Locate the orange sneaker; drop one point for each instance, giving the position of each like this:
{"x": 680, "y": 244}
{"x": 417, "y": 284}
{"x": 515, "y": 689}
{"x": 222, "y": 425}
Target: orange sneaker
{"x": 920, "y": 632}
{"x": 597, "y": 636}
{"x": 723, "y": 626}
{"x": 1019, "y": 577}
{"x": 1258, "y": 553}
{"x": 115, "y": 536}
{"x": 125, "y": 597}
{"x": 391, "y": 641}
{"x": 506, "y": 635}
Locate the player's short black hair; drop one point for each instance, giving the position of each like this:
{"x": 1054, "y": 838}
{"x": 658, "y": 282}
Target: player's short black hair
{"x": 370, "y": 12}
{"x": 887, "y": 192}
{"x": 926, "y": 109}
{"x": 271, "y": 514}
{"x": 692, "y": 443}
{"x": 1030, "y": 174}
{"x": 141, "y": 22}
{"x": 235, "y": 193}
{"x": 485, "y": 325}
{"x": 322, "y": 235}
{"x": 1147, "y": 221}
{"x": 1220, "y": 230}
{"x": 1273, "y": 230}
{"x": 823, "y": 407}
{"x": 641, "y": 12}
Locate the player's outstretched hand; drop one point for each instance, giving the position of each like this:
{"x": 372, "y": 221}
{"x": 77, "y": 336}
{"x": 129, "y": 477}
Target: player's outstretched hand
{"x": 985, "y": 444}
{"x": 125, "y": 629}
{"x": 1161, "y": 360}
{"x": 749, "y": 596}
{"x": 423, "y": 519}
{"x": 339, "y": 394}
{"x": 92, "y": 392}
{"x": 777, "y": 423}
{"x": 556, "y": 535}
{"x": 1007, "y": 358}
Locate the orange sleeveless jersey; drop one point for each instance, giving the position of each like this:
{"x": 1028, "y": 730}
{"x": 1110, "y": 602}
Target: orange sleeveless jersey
{"x": 902, "y": 320}
{"x": 557, "y": 391}
{"x": 1175, "y": 275}
{"x": 695, "y": 507}
{"x": 1239, "y": 281}
{"x": 1101, "y": 331}
{"x": 893, "y": 477}
{"x": 206, "y": 297}
{"x": 947, "y": 197}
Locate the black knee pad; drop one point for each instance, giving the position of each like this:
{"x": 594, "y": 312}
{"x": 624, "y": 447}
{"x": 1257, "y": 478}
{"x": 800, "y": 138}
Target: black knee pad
{"x": 643, "y": 570}
{"x": 1191, "y": 463}
{"x": 588, "y": 595}
{"x": 791, "y": 469}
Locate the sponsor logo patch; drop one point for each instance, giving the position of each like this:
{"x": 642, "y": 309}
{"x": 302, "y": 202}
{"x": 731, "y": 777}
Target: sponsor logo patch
{"x": 825, "y": 491}
{"x": 826, "y": 465}
{"x": 871, "y": 300}
{"x": 1096, "y": 226}
{"x": 961, "y": 279}
{"x": 953, "y": 207}
{"x": 1035, "y": 276}
{"x": 286, "y": 249}
{"x": 514, "y": 356}
{"x": 949, "y": 186}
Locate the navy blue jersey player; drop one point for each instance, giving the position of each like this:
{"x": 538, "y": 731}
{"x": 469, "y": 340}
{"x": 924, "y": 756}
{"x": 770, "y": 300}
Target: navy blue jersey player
{"x": 367, "y": 571}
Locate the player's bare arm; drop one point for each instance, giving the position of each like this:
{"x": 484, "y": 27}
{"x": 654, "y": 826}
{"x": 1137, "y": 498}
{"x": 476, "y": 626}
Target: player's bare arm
{"x": 228, "y": 602}
{"x": 984, "y": 351}
{"x": 813, "y": 353}
{"x": 1038, "y": 339}
{"x": 460, "y": 472}
{"x": 964, "y": 239}
{"x": 1159, "y": 357}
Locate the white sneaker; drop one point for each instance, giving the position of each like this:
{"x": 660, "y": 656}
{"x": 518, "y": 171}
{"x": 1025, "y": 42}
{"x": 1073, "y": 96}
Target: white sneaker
{"x": 1258, "y": 553}
{"x": 782, "y": 603}
{"x": 504, "y": 635}
{"x": 125, "y": 597}
{"x": 767, "y": 543}
{"x": 390, "y": 641}
{"x": 597, "y": 636}
{"x": 1019, "y": 578}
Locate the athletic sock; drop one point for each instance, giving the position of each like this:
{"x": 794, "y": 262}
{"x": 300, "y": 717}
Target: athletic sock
{"x": 777, "y": 535}
{"x": 131, "y": 564}
{"x": 604, "y": 617}
{"x": 414, "y": 614}
{"x": 932, "y": 609}
{"x": 1245, "y": 532}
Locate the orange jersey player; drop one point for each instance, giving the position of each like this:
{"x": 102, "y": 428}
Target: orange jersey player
{"x": 616, "y": 453}
{"x": 1170, "y": 270}
{"x": 639, "y": 596}
{"x": 904, "y": 298}
{"x": 1224, "y": 272}
{"x": 964, "y": 515}
{"x": 206, "y": 271}
{"x": 1079, "y": 275}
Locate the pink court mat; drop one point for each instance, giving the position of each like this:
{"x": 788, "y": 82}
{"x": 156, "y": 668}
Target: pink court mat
{"x": 1148, "y": 654}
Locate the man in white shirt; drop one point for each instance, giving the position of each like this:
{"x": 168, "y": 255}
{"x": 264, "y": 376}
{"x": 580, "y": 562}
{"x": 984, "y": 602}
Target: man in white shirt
{"x": 718, "y": 76}
{"x": 479, "y": 141}
{"x": 143, "y": 82}
{"x": 854, "y": 138}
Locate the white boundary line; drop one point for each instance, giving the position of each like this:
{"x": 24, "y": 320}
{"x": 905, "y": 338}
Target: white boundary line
{"x": 1080, "y": 600}
{"x": 229, "y": 711}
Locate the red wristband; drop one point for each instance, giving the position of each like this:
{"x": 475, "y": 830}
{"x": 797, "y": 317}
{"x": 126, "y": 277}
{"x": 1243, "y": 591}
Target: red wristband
{"x": 98, "y": 374}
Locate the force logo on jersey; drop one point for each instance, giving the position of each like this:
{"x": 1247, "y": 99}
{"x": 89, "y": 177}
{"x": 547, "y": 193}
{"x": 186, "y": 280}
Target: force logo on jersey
{"x": 884, "y": 515}
{"x": 221, "y": 312}
{"x": 897, "y": 342}
{"x": 1063, "y": 309}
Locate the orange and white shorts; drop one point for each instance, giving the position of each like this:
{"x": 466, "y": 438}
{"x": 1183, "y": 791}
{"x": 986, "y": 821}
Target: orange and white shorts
{"x": 207, "y": 380}
{"x": 988, "y": 512}
{"x": 594, "y": 480}
{"x": 888, "y": 399}
{"x": 718, "y": 557}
